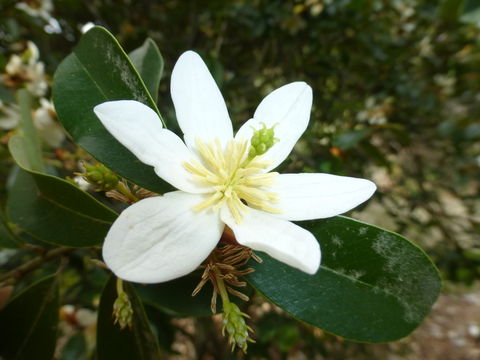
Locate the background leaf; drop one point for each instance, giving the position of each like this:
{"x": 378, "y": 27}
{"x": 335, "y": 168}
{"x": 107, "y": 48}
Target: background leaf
{"x": 52, "y": 209}
{"x": 7, "y": 239}
{"x": 148, "y": 61}
{"x": 83, "y": 81}
{"x": 31, "y": 142}
{"x": 349, "y": 139}
{"x": 470, "y": 13}
{"x": 137, "y": 343}
{"x": 373, "y": 285}
{"x": 29, "y": 322}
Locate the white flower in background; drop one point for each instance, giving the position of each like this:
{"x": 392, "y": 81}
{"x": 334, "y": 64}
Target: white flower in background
{"x": 44, "y": 119}
{"x": 9, "y": 116}
{"x": 446, "y": 82}
{"x": 221, "y": 180}
{"x": 36, "y": 8}
{"x": 375, "y": 113}
{"x": 27, "y": 69}
{"x": 41, "y": 9}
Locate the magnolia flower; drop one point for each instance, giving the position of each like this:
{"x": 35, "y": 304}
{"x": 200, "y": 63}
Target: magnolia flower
{"x": 223, "y": 180}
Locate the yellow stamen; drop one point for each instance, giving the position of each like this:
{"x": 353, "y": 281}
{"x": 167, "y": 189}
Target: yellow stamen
{"x": 235, "y": 179}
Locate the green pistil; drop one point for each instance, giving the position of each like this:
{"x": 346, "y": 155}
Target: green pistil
{"x": 262, "y": 140}
{"x": 100, "y": 176}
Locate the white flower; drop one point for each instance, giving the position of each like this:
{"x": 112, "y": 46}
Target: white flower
{"x": 28, "y": 69}
{"x": 44, "y": 119}
{"x": 42, "y": 9}
{"x": 9, "y": 116}
{"x": 161, "y": 238}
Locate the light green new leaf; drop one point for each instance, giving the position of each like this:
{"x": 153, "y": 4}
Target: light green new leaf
{"x": 98, "y": 70}
{"x": 29, "y": 322}
{"x": 137, "y": 342}
{"x": 148, "y": 61}
{"x": 373, "y": 285}
{"x": 52, "y": 209}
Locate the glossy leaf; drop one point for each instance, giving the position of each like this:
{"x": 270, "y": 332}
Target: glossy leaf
{"x": 98, "y": 70}
{"x": 175, "y": 297}
{"x": 137, "y": 342}
{"x": 52, "y": 209}
{"x": 148, "y": 61}
{"x": 373, "y": 285}
{"x": 29, "y": 322}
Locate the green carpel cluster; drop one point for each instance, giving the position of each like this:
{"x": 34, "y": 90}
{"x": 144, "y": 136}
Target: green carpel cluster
{"x": 234, "y": 324}
{"x": 100, "y": 176}
{"x": 261, "y": 141}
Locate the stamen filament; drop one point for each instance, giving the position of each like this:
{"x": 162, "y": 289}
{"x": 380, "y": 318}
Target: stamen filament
{"x": 235, "y": 179}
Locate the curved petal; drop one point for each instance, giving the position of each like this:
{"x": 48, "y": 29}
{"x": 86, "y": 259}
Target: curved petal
{"x": 280, "y": 239}
{"x": 199, "y": 105}
{"x": 316, "y": 196}
{"x": 138, "y": 128}
{"x": 288, "y": 108}
{"x": 161, "y": 238}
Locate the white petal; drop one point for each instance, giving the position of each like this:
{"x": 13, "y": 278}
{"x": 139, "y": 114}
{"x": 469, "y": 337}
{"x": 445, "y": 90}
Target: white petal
{"x": 280, "y": 239}
{"x": 199, "y": 105}
{"x": 289, "y": 107}
{"x": 161, "y": 238}
{"x": 316, "y": 196}
{"x": 140, "y": 130}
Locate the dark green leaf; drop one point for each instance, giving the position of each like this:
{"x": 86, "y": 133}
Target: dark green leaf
{"x": 75, "y": 348}
{"x": 148, "y": 61}
{"x": 137, "y": 342}
{"x": 7, "y": 239}
{"x": 29, "y": 322}
{"x": 54, "y": 210}
{"x": 373, "y": 285}
{"x": 175, "y": 297}
{"x": 98, "y": 70}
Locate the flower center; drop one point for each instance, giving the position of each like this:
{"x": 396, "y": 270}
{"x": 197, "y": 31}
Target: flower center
{"x": 236, "y": 179}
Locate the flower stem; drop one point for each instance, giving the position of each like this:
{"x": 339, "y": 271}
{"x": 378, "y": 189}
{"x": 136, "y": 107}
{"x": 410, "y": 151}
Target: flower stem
{"x": 120, "y": 286}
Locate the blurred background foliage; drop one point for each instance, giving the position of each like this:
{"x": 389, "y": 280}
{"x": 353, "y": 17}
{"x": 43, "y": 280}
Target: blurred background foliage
{"x": 395, "y": 100}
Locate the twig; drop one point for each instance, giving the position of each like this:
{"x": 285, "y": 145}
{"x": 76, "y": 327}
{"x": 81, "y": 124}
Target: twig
{"x": 31, "y": 265}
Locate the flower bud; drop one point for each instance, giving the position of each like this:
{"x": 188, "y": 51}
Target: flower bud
{"x": 100, "y": 176}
